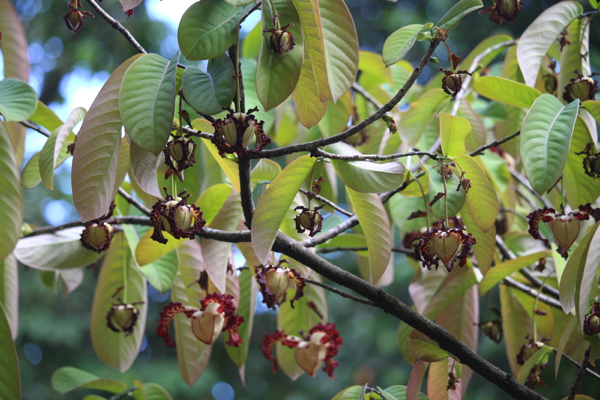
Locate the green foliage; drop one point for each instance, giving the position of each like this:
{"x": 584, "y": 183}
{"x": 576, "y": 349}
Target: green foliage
{"x": 208, "y": 91}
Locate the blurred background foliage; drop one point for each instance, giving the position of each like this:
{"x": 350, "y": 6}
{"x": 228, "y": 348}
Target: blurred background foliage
{"x": 67, "y": 71}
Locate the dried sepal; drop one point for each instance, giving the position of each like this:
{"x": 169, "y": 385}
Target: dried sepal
{"x": 237, "y": 130}
{"x": 309, "y": 220}
{"x": 445, "y": 245}
{"x": 275, "y": 281}
{"x": 74, "y": 18}
{"x": 452, "y": 381}
{"x": 179, "y": 154}
{"x": 452, "y": 81}
{"x": 270, "y": 340}
{"x": 175, "y": 216}
{"x": 582, "y": 88}
{"x": 503, "y": 10}
{"x": 281, "y": 40}
{"x": 493, "y": 328}
{"x": 98, "y": 234}
{"x": 591, "y": 322}
{"x": 591, "y": 162}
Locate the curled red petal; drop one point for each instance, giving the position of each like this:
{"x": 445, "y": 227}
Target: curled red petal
{"x": 169, "y": 312}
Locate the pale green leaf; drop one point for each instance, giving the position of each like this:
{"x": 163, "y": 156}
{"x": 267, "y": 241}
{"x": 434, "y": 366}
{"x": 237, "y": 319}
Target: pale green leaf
{"x": 351, "y": 393}
{"x": 239, "y": 3}
{"x": 251, "y": 43}
{"x": 485, "y": 247}
{"x": 31, "y": 173}
{"x": 11, "y": 196}
{"x": 593, "y": 107}
{"x": 538, "y": 358}
{"x": 160, "y": 273}
{"x": 119, "y": 273}
{"x": 208, "y": 91}
{"x": 147, "y": 100}
{"x": 452, "y": 202}
{"x": 570, "y": 55}
{"x": 272, "y": 206}
{"x": 545, "y": 136}
{"x": 192, "y": 354}
{"x": 424, "y": 348}
{"x": 14, "y": 42}
{"x": 143, "y": 167}
{"x": 9, "y": 292}
{"x": 250, "y": 93}
{"x": 454, "y": 132}
{"x": 341, "y": 46}
{"x": 213, "y": 200}
{"x": 336, "y": 117}
{"x": 478, "y": 136}
{"x": 366, "y": 176}
{"x": 93, "y": 174}
{"x": 10, "y": 382}
{"x": 482, "y": 199}
{"x": 229, "y": 167}
{"x": 414, "y": 121}
{"x": 277, "y": 74}
{"x": 400, "y": 393}
{"x": 564, "y": 338}
{"x": 375, "y": 224}
{"x": 18, "y": 100}
{"x": 67, "y": 379}
{"x": 148, "y": 251}
{"x": 49, "y": 156}
{"x": 208, "y": 28}
{"x": 516, "y": 324}
{"x": 400, "y": 42}
{"x": 506, "y": 91}
{"x": 265, "y": 170}
{"x": 156, "y": 392}
{"x": 579, "y": 187}
{"x": 457, "y": 12}
{"x": 501, "y": 271}
{"x": 541, "y": 34}
{"x": 55, "y": 251}
{"x": 45, "y": 117}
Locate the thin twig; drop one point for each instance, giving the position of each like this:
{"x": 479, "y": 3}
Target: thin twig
{"x": 117, "y": 25}
{"x": 372, "y": 157}
{"x": 575, "y": 363}
{"x": 126, "y": 393}
{"x": 201, "y": 134}
{"x": 36, "y": 127}
{"x": 495, "y": 143}
{"x": 341, "y": 293}
{"x": 328, "y": 202}
{"x": 246, "y": 189}
{"x": 134, "y": 202}
{"x": 361, "y": 90}
{"x": 508, "y": 281}
{"x": 579, "y": 376}
{"x": 327, "y": 250}
{"x": 523, "y": 181}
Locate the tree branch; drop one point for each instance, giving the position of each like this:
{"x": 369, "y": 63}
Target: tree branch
{"x": 575, "y": 363}
{"x": 327, "y": 250}
{"x": 134, "y": 202}
{"x": 495, "y": 143}
{"x": 361, "y": 90}
{"x": 310, "y": 146}
{"x": 328, "y": 202}
{"x": 579, "y": 376}
{"x": 36, "y": 127}
{"x": 508, "y": 281}
{"x": 246, "y": 189}
{"x": 372, "y": 157}
{"x": 340, "y": 293}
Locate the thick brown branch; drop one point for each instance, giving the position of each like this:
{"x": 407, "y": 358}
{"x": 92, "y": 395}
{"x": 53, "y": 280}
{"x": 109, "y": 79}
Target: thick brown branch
{"x": 246, "y": 189}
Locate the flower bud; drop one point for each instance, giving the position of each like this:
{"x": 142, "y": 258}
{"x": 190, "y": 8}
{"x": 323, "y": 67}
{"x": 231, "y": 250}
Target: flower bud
{"x": 565, "y": 229}
{"x": 74, "y": 19}
{"x": 446, "y": 246}
{"x": 582, "y": 88}
{"x": 278, "y": 281}
{"x": 97, "y": 236}
{"x": 591, "y": 322}
{"x": 208, "y": 324}
{"x": 122, "y": 318}
{"x": 184, "y": 217}
{"x": 179, "y": 153}
{"x": 229, "y": 129}
{"x": 281, "y": 41}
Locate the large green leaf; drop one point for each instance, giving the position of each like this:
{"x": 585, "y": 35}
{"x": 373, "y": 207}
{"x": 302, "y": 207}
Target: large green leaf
{"x": 143, "y": 166}
{"x": 421, "y": 112}
{"x": 457, "y": 12}
{"x": 17, "y": 100}
{"x": 454, "y": 199}
{"x": 208, "y": 91}
{"x": 229, "y": 167}
{"x": 216, "y": 252}
{"x": 11, "y": 196}
{"x": 156, "y": 392}
{"x": 453, "y": 132}
{"x": 250, "y": 93}
{"x": 55, "y": 251}
{"x": 400, "y": 42}
{"x": 67, "y": 379}
{"x": 485, "y": 247}
{"x": 208, "y": 28}
{"x": 160, "y": 273}
{"x": 336, "y": 117}
{"x": 264, "y": 170}
{"x": 119, "y": 274}
{"x": 341, "y": 46}
{"x": 501, "y": 271}
{"x": 277, "y": 74}
{"x": 273, "y": 205}
{"x": 399, "y": 392}
{"x": 9, "y": 292}
{"x": 192, "y": 354}
{"x": 56, "y": 143}
{"x": 147, "y": 251}
{"x": 545, "y": 137}
{"x": 94, "y": 170}
{"x": 10, "y": 382}
{"x": 14, "y": 42}
{"x": 212, "y": 200}
{"x": 580, "y": 188}
{"x": 570, "y": 56}
{"x": 147, "y": 100}
{"x": 538, "y": 358}
{"x": 45, "y": 117}
{"x": 478, "y": 136}
{"x": 351, "y": 393}
{"x": 541, "y": 34}
{"x": 516, "y": 324}
{"x": 375, "y": 224}
{"x": 593, "y": 107}
{"x": 506, "y": 91}
{"x": 366, "y": 176}
{"x": 482, "y": 199}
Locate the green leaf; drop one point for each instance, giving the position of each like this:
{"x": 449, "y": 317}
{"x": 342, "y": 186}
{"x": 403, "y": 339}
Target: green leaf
{"x": 375, "y": 224}
{"x": 264, "y": 170}
{"x": 147, "y": 100}
{"x": 593, "y": 107}
{"x": 455, "y": 199}
{"x": 250, "y": 92}
{"x": 10, "y": 382}
{"x": 55, "y": 144}
{"x": 94, "y": 170}
{"x": 366, "y": 176}
{"x": 421, "y": 112}
{"x": 502, "y": 270}
{"x": 336, "y": 117}
{"x": 11, "y": 196}
{"x": 55, "y": 251}
{"x": 9, "y": 292}
{"x": 160, "y": 273}
{"x": 545, "y": 136}
{"x": 208, "y": 91}
{"x": 564, "y": 338}
{"x": 45, "y": 117}
{"x": 400, "y": 42}
{"x": 147, "y": 251}
{"x": 277, "y": 74}
{"x": 454, "y": 132}
{"x": 457, "y": 12}
{"x": 341, "y": 46}
{"x": 516, "y": 324}
{"x": 119, "y": 273}
{"x": 482, "y": 199}
{"x": 18, "y": 100}
{"x": 399, "y": 392}
{"x": 570, "y": 56}
{"x": 351, "y": 393}
{"x": 425, "y": 349}
{"x": 208, "y": 28}
{"x": 216, "y": 252}
{"x": 67, "y": 379}
{"x": 541, "y": 34}
{"x": 506, "y": 91}
{"x": 14, "y": 42}
{"x": 239, "y": 3}
{"x": 143, "y": 167}
{"x": 31, "y": 173}
{"x": 192, "y": 354}
{"x": 229, "y": 167}
{"x": 486, "y": 241}
{"x": 273, "y": 204}
{"x": 538, "y": 358}
{"x": 156, "y": 392}
{"x": 579, "y": 187}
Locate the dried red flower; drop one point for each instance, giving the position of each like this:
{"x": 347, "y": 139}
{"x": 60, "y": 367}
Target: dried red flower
{"x": 565, "y": 228}
{"x": 281, "y": 40}
{"x": 275, "y": 281}
{"x": 582, "y": 88}
{"x": 309, "y": 220}
{"x": 503, "y": 10}
{"x": 236, "y": 131}
{"x": 217, "y": 314}
{"x": 74, "y": 18}
{"x": 562, "y": 39}
{"x": 445, "y": 245}
{"x": 591, "y": 322}
{"x": 527, "y": 350}
{"x": 452, "y": 381}
{"x": 321, "y": 345}
{"x": 175, "y": 216}
{"x": 98, "y": 234}
{"x": 179, "y": 153}
{"x": 452, "y": 82}
{"x": 591, "y": 162}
